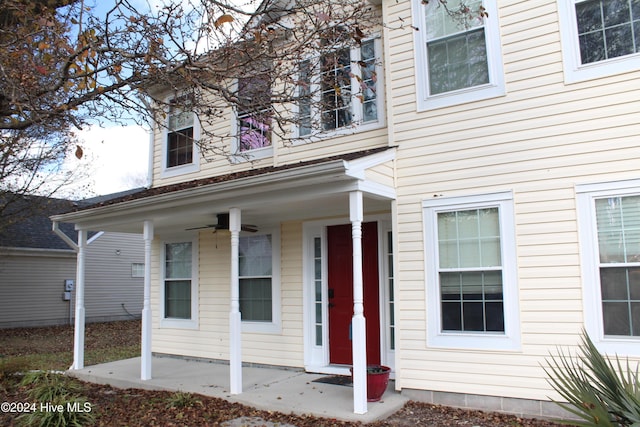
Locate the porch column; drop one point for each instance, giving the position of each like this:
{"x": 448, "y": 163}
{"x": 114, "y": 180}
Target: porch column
{"x": 235, "y": 321}
{"x": 78, "y": 332}
{"x": 358, "y": 322}
{"x": 145, "y": 368}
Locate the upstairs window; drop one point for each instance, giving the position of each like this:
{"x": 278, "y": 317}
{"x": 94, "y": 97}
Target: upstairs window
{"x": 599, "y": 37}
{"x": 180, "y": 154}
{"x": 254, "y": 113}
{"x": 340, "y": 89}
{"x": 607, "y": 29}
{"x": 180, "y": 137}
{"x": 458, "y": 54}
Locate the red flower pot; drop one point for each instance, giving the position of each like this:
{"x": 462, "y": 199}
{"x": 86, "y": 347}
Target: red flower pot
{"x": 377, "y": 381}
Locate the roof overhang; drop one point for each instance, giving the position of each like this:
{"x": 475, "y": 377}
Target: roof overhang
{"x": 306, "y": 191}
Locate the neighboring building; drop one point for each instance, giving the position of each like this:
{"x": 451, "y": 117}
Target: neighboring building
{"x": 497, "y": 186}
{"x": 38, "y": 270}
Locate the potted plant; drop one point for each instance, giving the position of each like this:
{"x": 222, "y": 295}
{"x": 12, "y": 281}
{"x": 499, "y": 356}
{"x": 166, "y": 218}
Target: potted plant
{"x": 377, "y": 381}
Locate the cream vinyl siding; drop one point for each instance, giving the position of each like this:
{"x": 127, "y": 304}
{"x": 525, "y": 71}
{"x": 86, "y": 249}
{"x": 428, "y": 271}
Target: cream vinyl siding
{"x": 211, "y": 339}
{"x": 538, "y": 141}
{"x": 284, "y": 152}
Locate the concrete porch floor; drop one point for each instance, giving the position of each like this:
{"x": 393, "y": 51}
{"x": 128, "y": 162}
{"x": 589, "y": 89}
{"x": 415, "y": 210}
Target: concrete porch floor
{"x": 268, "y": 388}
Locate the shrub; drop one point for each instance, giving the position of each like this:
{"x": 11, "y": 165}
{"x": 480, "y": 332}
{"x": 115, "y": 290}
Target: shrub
{"x": 45, "y": 386}
{"x": 58, "y": 401}
{"x": 599, "y": 391}
{"x": 63, "y": 411}
{"x": 180, "y": 399}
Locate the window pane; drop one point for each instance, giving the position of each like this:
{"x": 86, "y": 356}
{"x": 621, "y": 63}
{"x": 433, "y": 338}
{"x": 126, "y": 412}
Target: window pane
{"x": 255, "y": 255}
{"x": 180, "y": 147}
{"x": 305, "y": 97}
{"x": 472, "y": 301}
{"x": 620, "y": 289}
{"x": 178, "y": 260}
{"x": 254, "y": 112}
{"x": 177, "y": 299}
{"x": 606, "y": 29}
{"x": 470, "y": 238}
{"x": 255, "y": 300}
{"x": 368, "y": 84}
{"x": 613, "y": 282}
{"x": 616, "y": 318}
{"x": 618, "y": 221}
{"x": 457, "y": 62}
{"x": 335, "y": 79}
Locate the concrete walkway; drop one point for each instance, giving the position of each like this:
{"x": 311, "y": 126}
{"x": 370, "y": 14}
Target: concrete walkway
{"x": 272, "y": 389}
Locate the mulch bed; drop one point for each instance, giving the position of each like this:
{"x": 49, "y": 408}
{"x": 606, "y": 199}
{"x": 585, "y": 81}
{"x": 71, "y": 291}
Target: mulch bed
{"x": 137, "y": 408}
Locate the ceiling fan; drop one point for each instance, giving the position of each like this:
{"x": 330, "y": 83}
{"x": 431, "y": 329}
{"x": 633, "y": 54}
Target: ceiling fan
{"x": 223, "y": 224}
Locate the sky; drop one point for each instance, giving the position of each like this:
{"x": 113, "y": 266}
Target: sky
{"x": 117, "y": 158}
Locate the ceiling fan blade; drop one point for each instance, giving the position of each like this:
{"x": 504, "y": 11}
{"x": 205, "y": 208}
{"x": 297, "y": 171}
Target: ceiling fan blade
{"x": 200, "y": 228}
{"x": 249, "y": 228}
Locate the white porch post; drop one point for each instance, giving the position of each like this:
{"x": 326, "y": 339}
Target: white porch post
{"x": 78, "y": 333}
{"x": 145, "y": 368}
{"x": 358, "y": 322}
{"x": 235, "y": 322}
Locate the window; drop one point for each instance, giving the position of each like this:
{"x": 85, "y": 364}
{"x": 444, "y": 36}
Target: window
{"x": 610, "y": 238}
{"x": 180, "y": 150}
{"x": 471, "y": 272}
{"x": 259, "y": 281}
{"x": 137, "y": 269}
{"x": 254, "y": 113}
{"x": 599, "y": 37}
{"x": 179, "y": 293}
{"x": 341, "y": 91}
{"x": 458, "y": 56}
{"x": 180, "y": 138}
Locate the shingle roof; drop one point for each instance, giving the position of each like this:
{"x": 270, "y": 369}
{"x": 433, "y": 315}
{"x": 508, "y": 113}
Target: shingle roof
{"x": 33, "y": 229}
{"x": 228, "y": 177}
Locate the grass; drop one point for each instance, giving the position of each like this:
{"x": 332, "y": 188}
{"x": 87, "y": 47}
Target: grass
{"x": 51, "y": 348}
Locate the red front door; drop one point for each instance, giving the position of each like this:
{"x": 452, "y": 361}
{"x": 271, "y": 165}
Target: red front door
{"x": 340, "y": 278}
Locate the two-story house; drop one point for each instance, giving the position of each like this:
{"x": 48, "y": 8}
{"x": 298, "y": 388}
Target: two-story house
{"x": 485, "y": 210}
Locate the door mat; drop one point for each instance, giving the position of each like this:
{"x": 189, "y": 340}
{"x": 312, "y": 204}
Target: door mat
{"x": 335, "y": 379}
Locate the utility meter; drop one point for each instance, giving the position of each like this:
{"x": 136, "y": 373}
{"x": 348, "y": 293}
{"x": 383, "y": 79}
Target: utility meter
{"x": 68, "y": 285}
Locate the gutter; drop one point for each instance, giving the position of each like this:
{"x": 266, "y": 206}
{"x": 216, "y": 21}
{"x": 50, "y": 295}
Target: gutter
{"x": 297, "y": 176}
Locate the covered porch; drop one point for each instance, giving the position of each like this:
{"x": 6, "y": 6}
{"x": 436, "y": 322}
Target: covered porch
{"x": 348, "y": 189}
{"x": 266, "y": 388}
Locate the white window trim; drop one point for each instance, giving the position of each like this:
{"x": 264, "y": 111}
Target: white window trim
{"x": 356, "y": 126}
{"x": 496, "y": 86}
{"x": 194, "y": 166}
{"x": 181, "y": 323}
{"x": 589, "y": 251}
{"x": 275, "y": 326}
{"x": 574, "y": 70}
{"x": 510, "y": 339}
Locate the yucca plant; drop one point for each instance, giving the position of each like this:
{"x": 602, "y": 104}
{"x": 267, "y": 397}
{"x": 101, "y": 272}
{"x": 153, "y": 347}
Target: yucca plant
{"x": 598, "y": 390}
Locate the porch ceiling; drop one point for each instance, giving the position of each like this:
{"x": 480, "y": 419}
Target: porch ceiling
{"x": 301, "y": 193}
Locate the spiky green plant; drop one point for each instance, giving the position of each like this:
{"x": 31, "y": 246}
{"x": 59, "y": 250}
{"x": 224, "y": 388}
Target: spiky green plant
{"x": 45, "y": 386}
{"x": 181, "y": 399}
{"x": 600, "y": 391}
